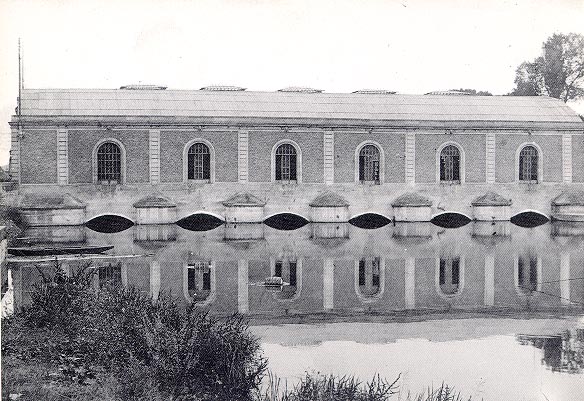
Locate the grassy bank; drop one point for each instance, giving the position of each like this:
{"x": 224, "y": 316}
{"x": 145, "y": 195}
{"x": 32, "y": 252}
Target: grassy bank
{"x": 74, "y": 342}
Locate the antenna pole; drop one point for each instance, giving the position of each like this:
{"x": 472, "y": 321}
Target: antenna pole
{"x": 19, "y": 84}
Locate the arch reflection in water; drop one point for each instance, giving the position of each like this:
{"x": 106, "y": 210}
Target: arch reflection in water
{"x": 109, "y": 223}
{"x": 200, "y": 222}
{"x": 369, "y": 278}
{"x": 529, "y": 219}
{"x": 369, "y": 221}
{"x": 286, "y": 221}
{"x": 199, "y": 282}
{"x": 450, "y": 220}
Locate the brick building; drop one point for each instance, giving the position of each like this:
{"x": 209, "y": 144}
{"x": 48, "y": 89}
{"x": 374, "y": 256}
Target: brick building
{"x": 110, "y": 148}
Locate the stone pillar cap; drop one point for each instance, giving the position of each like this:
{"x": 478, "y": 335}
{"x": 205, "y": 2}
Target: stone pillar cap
{"x": 329, "y": 199}
{"x": 411, "y": 199}
{"x": 491, "y": 199}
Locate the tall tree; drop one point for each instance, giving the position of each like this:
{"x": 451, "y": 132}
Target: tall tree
{"x": 558, "y": 72}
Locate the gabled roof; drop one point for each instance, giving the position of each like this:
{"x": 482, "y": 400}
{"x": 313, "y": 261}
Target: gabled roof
{"x": 244, "y": 199}
{"x": 53, "y": 201}
{"x": 329, "y": 199}
{"x": 332, "y": 108}
{"x": 153, "y": 201}
{"x": 571, "y": 198}
{"x": 491, "y": 199}
{"x": 411, "y": 199}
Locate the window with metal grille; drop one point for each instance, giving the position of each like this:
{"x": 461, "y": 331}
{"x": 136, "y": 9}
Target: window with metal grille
{"x": 199, "y": 162}
{"x": 528, "y": 164}
{"x": 286, "y": 163}
{"x": 109, "y": 163}
{"x": 369, "y": 164}
{"x": 450, "y": 164}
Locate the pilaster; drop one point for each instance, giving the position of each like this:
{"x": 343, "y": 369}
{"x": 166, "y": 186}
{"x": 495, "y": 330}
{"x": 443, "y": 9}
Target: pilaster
{"x": 15, "y": 155}
{"x": 410, "y": 158}
{"x": 242, "y": 286}
{"x": 242, "y": 156}
{"x": 565, "y": 278}
{"x": 154, "y": 156}
{"x": 62, "y": 157}
{"x": 490, "y": 149}
{"x": 567, "y": 158}
{"x": 329, "y": 157}
{"x": 489, "y": 280}
{"x": 328, "y": 284}
{"x": 410, "y": 283}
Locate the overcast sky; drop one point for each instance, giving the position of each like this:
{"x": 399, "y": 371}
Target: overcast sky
{"x": 338, "y": 45}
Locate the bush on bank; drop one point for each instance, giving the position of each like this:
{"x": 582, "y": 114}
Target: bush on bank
{"x": 140, "y": 348}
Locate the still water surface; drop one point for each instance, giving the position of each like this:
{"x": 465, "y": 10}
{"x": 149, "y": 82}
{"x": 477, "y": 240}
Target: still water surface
{"x": 494, "y": 309}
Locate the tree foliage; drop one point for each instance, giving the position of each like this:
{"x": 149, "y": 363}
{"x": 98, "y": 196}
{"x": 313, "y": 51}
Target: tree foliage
{"x": 474, "y": 92}
{"x": 558, "y": 72}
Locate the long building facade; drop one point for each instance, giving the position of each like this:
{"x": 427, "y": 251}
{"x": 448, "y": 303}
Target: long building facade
{"x": 155, "y": 156}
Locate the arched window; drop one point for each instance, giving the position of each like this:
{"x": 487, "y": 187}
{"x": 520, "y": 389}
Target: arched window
{"x": 199, "y": 162}
{"x": 286, "y": 163}
{"x": 528, "y": 164}
{"x": 369, "y": 164}
{"x": 450, "y": 164}
{"x": 449, "y": 276}
{"x": 109, "y": 163}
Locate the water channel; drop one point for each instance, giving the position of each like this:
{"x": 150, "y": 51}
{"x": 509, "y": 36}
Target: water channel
{"x": 491, "y": 308}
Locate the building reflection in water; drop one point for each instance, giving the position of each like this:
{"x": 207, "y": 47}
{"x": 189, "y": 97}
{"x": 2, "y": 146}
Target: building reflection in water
{"x": 336, "y": 267}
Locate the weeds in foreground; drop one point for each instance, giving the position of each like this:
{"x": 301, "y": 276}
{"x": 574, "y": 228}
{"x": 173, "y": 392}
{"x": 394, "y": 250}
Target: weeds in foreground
{"x": 318, "y": 387}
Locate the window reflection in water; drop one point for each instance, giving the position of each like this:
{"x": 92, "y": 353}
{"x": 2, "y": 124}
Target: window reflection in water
{"x": 449, "y": 276}
{"x": 199, "y": 280}
{"x": 527, "y": 274}
{"x": 369, "y": 276}
{"x": 110, "y": 274}
{"x": 288, "y": 270}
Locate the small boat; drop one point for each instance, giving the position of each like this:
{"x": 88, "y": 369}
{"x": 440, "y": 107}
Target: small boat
{"x": 57, "y": 250}
{"x": 274, "y": 281}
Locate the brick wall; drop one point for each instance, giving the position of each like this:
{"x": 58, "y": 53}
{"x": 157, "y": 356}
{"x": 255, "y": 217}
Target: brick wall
{"x": 172, "y": 144}
{"x": 578, "y": 158}
{"x": 38, "y": 149}
{"x": 82, "y": 142}
{"x": 260, "y": 153}
{"x": 507, "y": 145}
{"x": 393, "y": 146}
{"x": 474, "y": 151}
